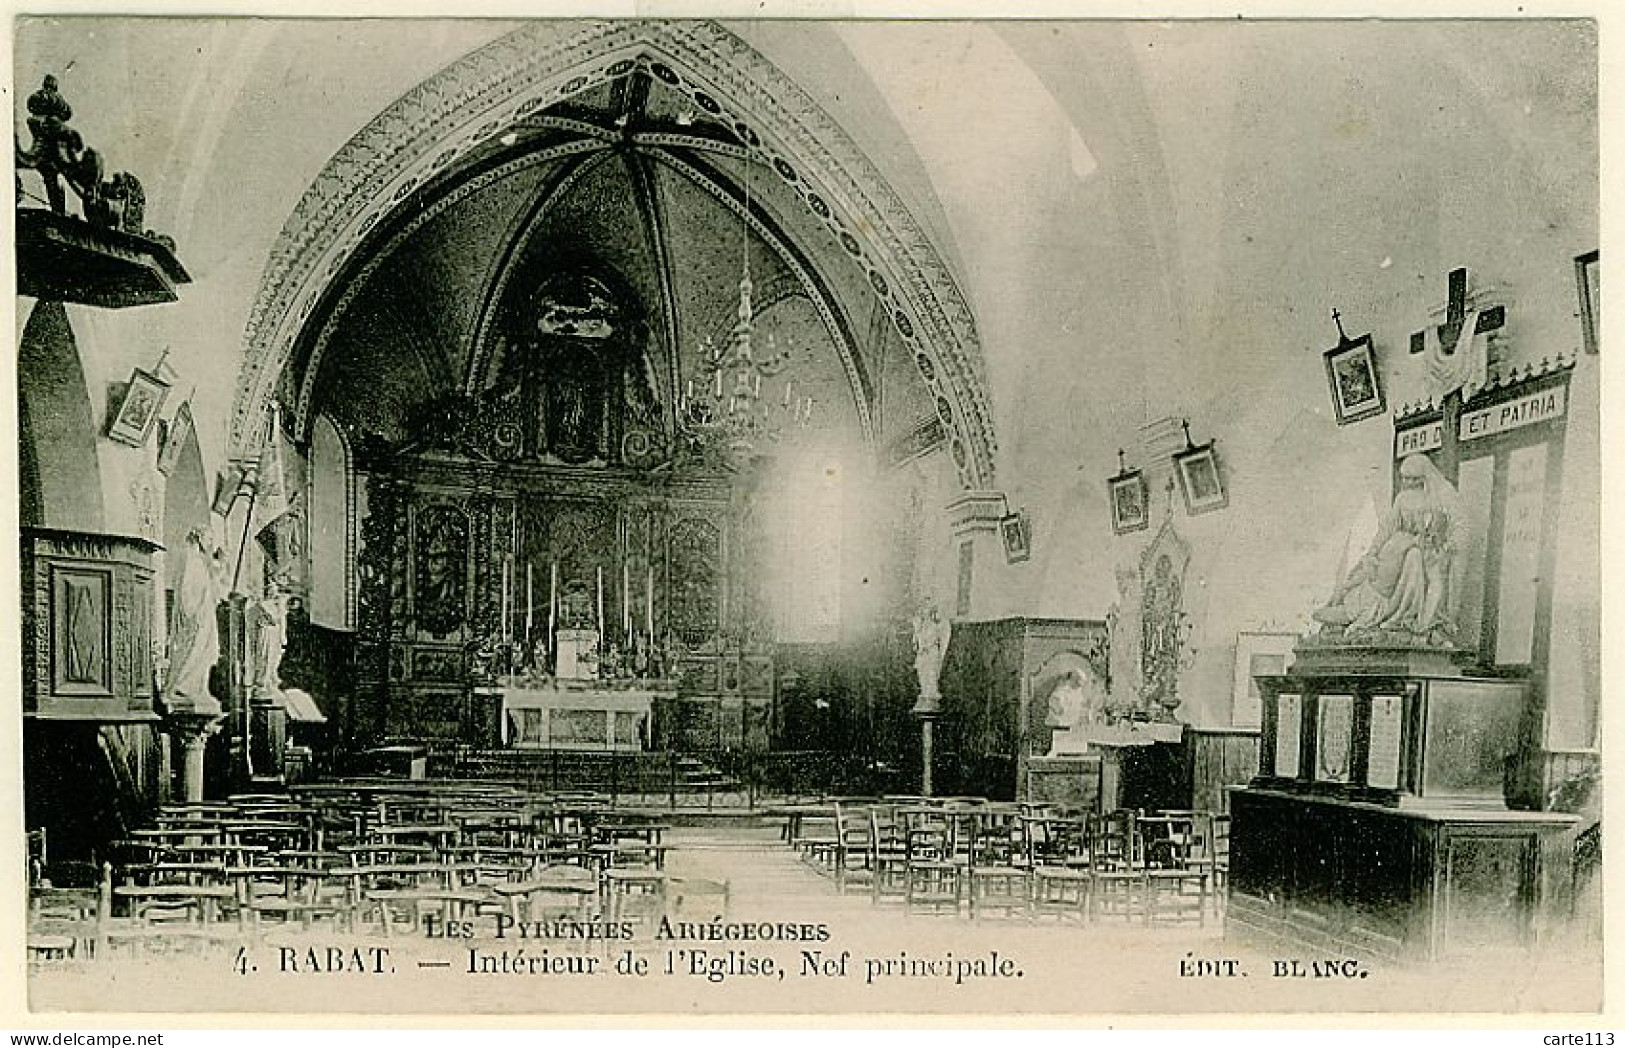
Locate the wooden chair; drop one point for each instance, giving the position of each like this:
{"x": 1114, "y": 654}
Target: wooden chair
{"x": 998, "y": 879}
{"x": 635, "y": 896}
{"x": 61, "y": 925}
{"x": 292, "y": 896}
{"x": 551, "y": 893}
{"x": 157, "y": 918}
{"x": 934, "y": 877}
{"x": 852, "y": 856}
{"x": 1174, "y": 846}
{"x": 888, "y": 855}
{"x": 1117, "y": 877}
{"x": 1221, "y": 861}
{"x": 1058, "y": 861}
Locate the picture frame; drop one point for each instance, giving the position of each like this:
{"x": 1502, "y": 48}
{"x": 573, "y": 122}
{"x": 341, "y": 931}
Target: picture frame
{"x": 1351, "y": 371}
{"x": 1200, "y": 479}
{"x": 1588, "y": 281}
{"x": 175, "y": 434}
{"x": 137, "y": 413}
{"x": 1130, "y": 502}
{"x": 1258, "y": 652}
{"x": 1017, "y": 535}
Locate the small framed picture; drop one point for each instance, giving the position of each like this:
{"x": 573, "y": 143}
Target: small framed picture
{"x": 1017, "y": 537}
{"x": 179, "y": 428}
{"x": 1588, "y": 276}
{"x": 138, "y": 411}
{"x": 1200, "y": 479}
{"x": 1130, "y": 502}
{"x": 1351, "y": 368}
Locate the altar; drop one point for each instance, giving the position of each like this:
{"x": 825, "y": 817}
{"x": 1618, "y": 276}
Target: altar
{"x": 579, "y": 715}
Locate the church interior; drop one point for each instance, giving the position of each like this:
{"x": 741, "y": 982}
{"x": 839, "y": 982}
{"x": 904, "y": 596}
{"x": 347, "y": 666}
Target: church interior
{"x": 1060, "y": 483}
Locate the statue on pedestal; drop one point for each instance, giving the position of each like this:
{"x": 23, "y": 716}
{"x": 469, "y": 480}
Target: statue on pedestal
{"x": 931, "y": 632}
{"x": 194, "y": 640}
{"x": 268, "y": 628}
{"x": 1405, "y": 590}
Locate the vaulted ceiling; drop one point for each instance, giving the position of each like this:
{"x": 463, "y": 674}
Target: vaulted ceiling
{"x": 634, "y": 179}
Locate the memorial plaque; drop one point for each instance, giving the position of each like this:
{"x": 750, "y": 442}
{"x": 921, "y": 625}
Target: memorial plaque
{"x": 1289, "y": 720}
{"x": 1383, "y": 755}
{"x": 1334, "y": 738}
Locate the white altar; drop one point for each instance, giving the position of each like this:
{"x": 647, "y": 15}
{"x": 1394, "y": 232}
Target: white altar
{"x": 579, "y": 715}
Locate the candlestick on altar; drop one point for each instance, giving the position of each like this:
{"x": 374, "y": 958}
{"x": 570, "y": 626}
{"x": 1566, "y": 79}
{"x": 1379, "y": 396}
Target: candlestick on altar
{"x": 507, "y": 600}
{"x": 553, "y": 605}
{"x": 626, "y": 603}
{"x": 600, "y": 606}
{"x": 649, "y": 609}
{"x": 530, "y": 606}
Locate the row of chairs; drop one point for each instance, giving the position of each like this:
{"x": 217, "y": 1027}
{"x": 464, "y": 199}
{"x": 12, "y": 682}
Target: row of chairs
{"x": 366, "y": 858}
{"x": 1031, "y": 861}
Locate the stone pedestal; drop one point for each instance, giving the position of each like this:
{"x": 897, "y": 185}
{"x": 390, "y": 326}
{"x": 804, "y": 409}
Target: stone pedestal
{"x": 268, "y": 737}
{"x": 927, "y": 709}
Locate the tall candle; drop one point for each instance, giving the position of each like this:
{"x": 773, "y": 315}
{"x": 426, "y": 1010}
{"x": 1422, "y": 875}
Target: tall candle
{"x": 507, "y": 584}
{"x": 649, "y": 608}
{"x": 553, "y": 605}
{"x": 530, "y": 605}
{"x": 600, "y": 604}
{"x": 626, "y": 602}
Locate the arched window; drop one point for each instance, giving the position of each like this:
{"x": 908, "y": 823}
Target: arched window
{"x": 331, "y": 544}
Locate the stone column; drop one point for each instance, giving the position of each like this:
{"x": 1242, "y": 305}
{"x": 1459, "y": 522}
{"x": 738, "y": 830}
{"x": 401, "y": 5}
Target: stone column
{"x": 193, "y": 731}
{"x": 927, "y": 710}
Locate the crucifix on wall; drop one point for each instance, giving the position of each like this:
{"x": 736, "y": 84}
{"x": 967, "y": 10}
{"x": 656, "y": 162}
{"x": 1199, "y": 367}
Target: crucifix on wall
{"x": 1451, "y": 367}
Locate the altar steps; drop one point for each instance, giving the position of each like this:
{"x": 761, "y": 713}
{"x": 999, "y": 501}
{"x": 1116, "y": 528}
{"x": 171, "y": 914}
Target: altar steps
{"x": 613, "y": 773}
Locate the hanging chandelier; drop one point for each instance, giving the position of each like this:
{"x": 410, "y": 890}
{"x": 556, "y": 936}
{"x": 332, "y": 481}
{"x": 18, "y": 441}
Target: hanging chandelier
{"x": 728, "y": 411}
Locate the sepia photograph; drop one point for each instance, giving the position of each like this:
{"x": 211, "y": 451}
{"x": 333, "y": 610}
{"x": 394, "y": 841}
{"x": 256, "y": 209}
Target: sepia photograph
{"x": 578, "y": 570}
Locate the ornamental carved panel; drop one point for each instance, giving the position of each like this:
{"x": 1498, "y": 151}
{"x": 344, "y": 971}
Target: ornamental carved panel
{"x": 696, "y": 576}
{"x": 440, "y": 569}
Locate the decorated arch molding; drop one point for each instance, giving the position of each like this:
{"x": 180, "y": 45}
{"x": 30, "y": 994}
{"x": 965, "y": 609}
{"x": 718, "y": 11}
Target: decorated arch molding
{"x": 538, "y": 65}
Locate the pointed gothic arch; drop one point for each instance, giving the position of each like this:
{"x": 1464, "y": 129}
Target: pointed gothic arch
{"x": 534, "y": 67}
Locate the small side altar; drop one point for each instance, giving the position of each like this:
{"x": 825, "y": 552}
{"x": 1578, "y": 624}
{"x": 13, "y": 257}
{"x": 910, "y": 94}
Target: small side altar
{"x": 605, "y": 715}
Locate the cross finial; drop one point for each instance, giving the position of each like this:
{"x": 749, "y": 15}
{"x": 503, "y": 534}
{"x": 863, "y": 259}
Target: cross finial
{"x": 1185, "y": 424}
{"x": 1122, "y": 467}
{"x": 1337, "y": 318}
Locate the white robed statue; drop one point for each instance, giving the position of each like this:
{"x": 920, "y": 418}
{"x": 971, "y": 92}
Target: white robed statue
{"x": 194, "y": 637}
{"x": 1407, "y": 586}
{"x": 931, "y": 632}
{"x": 268, "y": 628}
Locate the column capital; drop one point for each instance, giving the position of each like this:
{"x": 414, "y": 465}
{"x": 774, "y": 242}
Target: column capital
{"x": 976, "y": 511}
{"x": 194, "y": 725}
